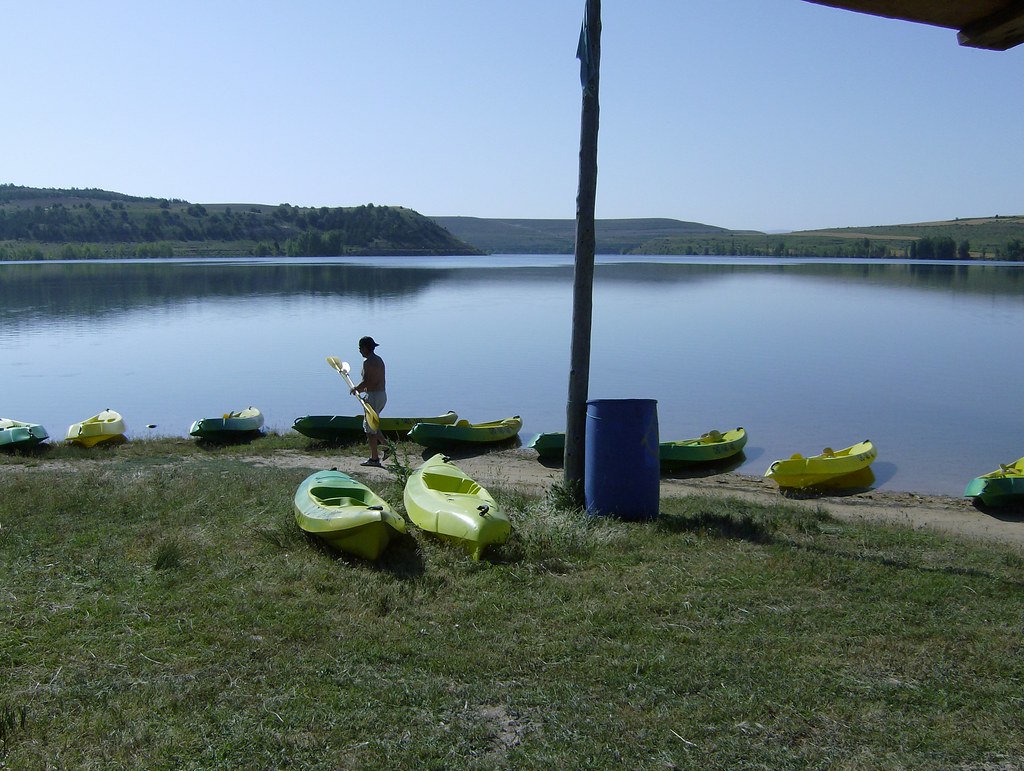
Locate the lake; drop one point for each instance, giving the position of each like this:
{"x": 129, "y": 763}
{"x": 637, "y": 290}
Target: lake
{"x": 921, "y": 358}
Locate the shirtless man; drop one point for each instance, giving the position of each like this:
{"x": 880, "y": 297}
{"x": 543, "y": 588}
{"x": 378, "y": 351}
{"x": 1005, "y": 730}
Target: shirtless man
{"x": 373, "y": 386}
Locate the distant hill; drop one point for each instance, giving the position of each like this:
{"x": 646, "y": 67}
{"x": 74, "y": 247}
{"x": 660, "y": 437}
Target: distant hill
{"x": 42, "y": 223}
{"x": 558, "y": 236}
{"x": 975, "y": 238}
{"x": 38, "y": 223}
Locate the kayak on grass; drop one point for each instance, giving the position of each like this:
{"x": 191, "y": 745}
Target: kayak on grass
{"x": 243, "y": 424}
{"x": 106, "y": 426}
{"x": 441, "y": 498}
{"x": 346, "y": 514}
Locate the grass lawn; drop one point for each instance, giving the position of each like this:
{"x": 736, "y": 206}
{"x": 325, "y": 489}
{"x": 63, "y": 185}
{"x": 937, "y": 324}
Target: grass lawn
{"x": 159, "y": 608}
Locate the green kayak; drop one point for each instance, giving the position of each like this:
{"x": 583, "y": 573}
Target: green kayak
{"x": 16, "y": 435}
{"x": 1002, "y": 487}
{"x": 232, "y": 426}
{"x": 441, "y": 498}
{"x": 710, "y": 447}
{"x": 346, "y": 514}
{"x": 707, "y": 448}
{"x": 338, "y": 428}
{"x": 466, "y": 433}
{"x": 549, "y": 446}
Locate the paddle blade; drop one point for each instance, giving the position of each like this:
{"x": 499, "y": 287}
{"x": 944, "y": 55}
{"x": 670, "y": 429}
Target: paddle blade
{"x": 335, "y": 362}
{"x": 372, "y": 418}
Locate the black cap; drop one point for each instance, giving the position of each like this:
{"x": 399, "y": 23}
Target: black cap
{"x": 365, "y": 342}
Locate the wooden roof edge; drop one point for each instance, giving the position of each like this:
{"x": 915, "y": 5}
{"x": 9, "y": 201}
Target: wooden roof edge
{"x": 996, "y": 25}
{"x": 999, "y": 31}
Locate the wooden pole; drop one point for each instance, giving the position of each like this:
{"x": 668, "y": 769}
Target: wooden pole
{"x": 589, "y": 54}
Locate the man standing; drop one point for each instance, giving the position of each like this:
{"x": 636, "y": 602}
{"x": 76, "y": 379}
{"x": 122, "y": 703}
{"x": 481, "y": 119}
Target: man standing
{"x": 373, "y": 386}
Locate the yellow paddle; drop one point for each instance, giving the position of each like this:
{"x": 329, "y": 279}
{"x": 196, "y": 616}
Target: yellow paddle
{"x": 372, "y": 418}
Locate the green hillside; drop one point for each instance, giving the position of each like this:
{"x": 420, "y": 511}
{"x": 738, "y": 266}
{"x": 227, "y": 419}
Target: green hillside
{"x": 40, "y": 223}
{"x": 977, "y": 238}
{"x": 45, "y": 223}
{"x": 558, "y": 236}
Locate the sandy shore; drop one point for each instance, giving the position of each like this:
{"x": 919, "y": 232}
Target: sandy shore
{"x": 520, "y": 468}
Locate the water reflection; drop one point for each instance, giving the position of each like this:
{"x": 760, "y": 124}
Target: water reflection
{"x": 802, "y": 353}
{"x": 33, "y": 291}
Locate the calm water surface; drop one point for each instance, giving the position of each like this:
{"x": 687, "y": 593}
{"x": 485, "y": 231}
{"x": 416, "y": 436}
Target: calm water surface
{"x": 920, "y": 358}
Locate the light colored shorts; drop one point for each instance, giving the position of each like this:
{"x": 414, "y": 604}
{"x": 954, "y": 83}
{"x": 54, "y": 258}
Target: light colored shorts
{"x": 377, "y": 400}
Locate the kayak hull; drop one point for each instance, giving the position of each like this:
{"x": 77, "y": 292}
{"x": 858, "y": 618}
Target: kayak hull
{"x": 18, "y": 435}
{"x": 104, "y": 427}
{"x": 548, "y": 446}
{"x": 466, "y": 433}
{"x": 242, "y": 424}
{"x": 336, "y": 428}
{"x": 345, "y": 514}
{"x": 1002, "y": 487}
{"x": 708, "y": 448}
{"x": 440, "y": 498}
{"x": 828, "y": 468}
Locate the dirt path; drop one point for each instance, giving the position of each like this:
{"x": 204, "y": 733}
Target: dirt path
{"x": 520, "y": 468}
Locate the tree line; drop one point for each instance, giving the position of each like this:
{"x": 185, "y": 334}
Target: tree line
{"x": 87, "y": 225}
{"x": 926, "y": 248}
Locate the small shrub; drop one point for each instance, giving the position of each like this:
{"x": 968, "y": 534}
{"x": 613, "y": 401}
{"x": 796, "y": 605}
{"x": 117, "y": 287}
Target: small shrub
{"x": 12, "y": 720}
{"x": 168, "y": 555}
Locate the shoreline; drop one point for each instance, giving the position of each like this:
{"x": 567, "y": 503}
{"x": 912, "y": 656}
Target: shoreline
{"x": 942, "y": 513}
{"x": 519, "y": 468}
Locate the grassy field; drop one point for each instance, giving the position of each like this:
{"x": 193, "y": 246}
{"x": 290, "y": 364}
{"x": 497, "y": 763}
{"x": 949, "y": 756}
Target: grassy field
{"x": 988, "y": 238}
{"x": 160, "y": 609}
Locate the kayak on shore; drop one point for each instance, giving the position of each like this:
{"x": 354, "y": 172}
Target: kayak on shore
{"x": 106, "y": 426}
{"x": 18, "y": 435}
{"x": 231, "y": 426}
{"x": 337, "y": 428}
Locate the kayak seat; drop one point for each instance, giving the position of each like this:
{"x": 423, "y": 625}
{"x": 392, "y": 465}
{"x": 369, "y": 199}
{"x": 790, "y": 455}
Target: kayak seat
{"x": 446, "y": 483}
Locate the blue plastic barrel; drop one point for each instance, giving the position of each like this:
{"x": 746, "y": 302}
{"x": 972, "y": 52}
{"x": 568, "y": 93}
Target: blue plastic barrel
{"x": 622, "y": 467}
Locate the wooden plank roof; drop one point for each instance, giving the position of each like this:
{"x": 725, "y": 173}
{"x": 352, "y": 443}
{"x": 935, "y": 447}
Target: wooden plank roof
{"x": 993, "y": 24}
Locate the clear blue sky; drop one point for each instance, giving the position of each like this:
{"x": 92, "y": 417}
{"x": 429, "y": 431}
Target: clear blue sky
{"x": 737, "y": 113}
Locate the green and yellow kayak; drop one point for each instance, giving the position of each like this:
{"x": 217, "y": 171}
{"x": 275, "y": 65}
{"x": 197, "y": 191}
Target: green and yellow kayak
{"x": 830, "y": 467}
{"x": 231, "y": 426}
{"x": 106, "y": 426}
{"x": 464, "y": 432}
{"x": 441, "y": 498}
{"x": 1002, "y": 487}
{"x": 707, "y": 448}
{"x": 346, "y": 514}
{"x": 338, "y": 428}
{"x": 548, "y": 446}
{"x": 17, "y": 435}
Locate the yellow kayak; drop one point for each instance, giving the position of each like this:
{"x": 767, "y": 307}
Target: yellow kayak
{"x": 441, "y": 498}
{"x": 830, "y": 466}
{"x": 346, "y": 514}
{"x": 106, "y": 426}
